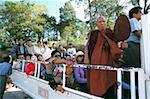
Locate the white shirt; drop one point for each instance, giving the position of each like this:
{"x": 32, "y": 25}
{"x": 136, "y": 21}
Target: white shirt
{"x": 71, "y": 51}
{"x": 38, "y": 50}
{"x": 135, "y": 25}
{"x": 47, "y": 53}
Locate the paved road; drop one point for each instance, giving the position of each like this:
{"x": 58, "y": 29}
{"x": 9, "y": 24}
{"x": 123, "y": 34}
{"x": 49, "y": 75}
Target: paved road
{"x": 16, "y": 94}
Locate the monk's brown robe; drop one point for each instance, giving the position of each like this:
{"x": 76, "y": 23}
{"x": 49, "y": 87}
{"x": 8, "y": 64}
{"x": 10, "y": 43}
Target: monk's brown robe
{"x": 102, "y": 50}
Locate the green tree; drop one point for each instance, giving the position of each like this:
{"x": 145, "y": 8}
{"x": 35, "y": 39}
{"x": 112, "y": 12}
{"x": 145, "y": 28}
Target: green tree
{"x": 22, "y": 18}
{"x": 135, "y": 2}
{"x": 108, "y": 8}
{"x": 67, "y": 24}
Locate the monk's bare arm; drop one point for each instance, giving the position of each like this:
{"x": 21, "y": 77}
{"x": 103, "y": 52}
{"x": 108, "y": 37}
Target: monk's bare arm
{"x": 138, "y": 33}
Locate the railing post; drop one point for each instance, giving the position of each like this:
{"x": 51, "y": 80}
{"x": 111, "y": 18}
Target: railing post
{"x": 141, "y": 84}
{"x": 132, "y": 80}
{"x": 35, "y": 71}
{"x": 23, "y": 65}
{"x": 119, "y": 81}
{"x": 64, "y": 75}
{"x": 38, "y": 69}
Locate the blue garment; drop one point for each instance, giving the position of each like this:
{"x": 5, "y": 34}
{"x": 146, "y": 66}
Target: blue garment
{"x": 22, "y": 49}
{"x": 79, "y": 74}
{"x": 17, "y": 50}
{"x": 42, "y": 70}
{"x": 135, "y": 25}
{"x": 5, "y": 69}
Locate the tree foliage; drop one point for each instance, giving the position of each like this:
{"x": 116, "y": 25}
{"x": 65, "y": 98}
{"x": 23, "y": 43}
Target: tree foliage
{"x": 67, "y": 24}
{"x": 135, "y": 2}
{"x": 108, "y": 8}
{"x": 22, "y": 19}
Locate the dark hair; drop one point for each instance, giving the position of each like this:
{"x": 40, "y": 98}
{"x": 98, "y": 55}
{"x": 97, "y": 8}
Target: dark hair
{"x": 53, "y": 44}
{"x": 29, "y": 40}
{"x": 39, "y": 42}
{"x": 28, "y": 55}
{"x": 134, "y": 10}
{"x": 70, "y": 44}
{"x": 20, "y": 38}
{"x": 6, "y": 59}
{"x": 37, "y": 55}
{"x": 20, "y": 55}
{"x": 45, "y": 42}
{"x": 59, "y": 45}
{"x": 53, "y": 53}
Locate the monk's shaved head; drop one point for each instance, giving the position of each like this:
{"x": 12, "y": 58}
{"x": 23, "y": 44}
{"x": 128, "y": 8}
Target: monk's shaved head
{"x": 101, "y": 22}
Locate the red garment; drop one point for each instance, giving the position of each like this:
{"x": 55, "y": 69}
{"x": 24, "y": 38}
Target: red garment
{"x": 104, "y": 52}
{"x": 30, "y": 68}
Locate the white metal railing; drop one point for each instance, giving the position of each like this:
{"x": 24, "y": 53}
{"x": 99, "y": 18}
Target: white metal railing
{"x": 141, "y": 79}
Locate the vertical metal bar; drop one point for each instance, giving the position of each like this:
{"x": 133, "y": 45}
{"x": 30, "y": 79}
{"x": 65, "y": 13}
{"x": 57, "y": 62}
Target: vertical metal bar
{"x": 35, "y": 71}
{"x": 119, "y": 81}
{"x": 141, "y": 84}
{"x": 23, "y": 65}
{"x": 132, "y": 80}
{"x": 38, "y": 69}
{"x": 64, "y": 75}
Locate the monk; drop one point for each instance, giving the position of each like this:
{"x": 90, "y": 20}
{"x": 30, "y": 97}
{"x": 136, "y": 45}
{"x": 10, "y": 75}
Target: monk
{"x": 101, "y": 49}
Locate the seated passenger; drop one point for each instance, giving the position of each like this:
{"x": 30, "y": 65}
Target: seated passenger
{"x": 28, "y": 60}
{"x": 55, "y": 68}
{"x": 70, "y": 80}
{"x": 79, "y": 72}
{"x": 18, "y": 64}
{"x": 30, "y": 68}
{"x": 42, "y": 65}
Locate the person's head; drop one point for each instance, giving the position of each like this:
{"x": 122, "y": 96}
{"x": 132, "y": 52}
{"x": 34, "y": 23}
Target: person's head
{"x": 34, "y": 58}
{"x": 79, "y": 57}
{"x": 69, "y": 69}
{"x": 21, "y": 41}
{"x": 40, "y": 57}
{"x": 53, "y": 45}
{"x": 7, "y": 59}
{"x": 101, "y": 23}
{"x": 21, "y": 56}
{"x": 40, "y": 44}
{"x": 60, "y": 47}
{"x": 70, "y": 45}
{"x": 45, "y": 44}
{"x": 28, "y": 56}
{"x": 135, "y": 13}
{"x": 29, "y": 42}
{"x": 56, "y": 54}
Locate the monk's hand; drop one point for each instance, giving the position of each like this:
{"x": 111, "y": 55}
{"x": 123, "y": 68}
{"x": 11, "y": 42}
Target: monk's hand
{"x": 122, "y": 44}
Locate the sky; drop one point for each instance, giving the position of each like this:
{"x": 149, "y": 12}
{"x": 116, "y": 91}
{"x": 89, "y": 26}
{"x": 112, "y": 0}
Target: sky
{"x": 54, "y": 5}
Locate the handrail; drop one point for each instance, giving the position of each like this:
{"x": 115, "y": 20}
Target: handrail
{"x": 119, "y": 76}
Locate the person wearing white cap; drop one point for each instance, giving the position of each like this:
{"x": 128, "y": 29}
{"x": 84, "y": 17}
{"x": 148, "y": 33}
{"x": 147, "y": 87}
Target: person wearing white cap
{"x": 80, "y": 73}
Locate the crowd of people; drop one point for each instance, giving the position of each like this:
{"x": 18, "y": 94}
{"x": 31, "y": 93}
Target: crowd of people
{"x": 101, "y": 49}
{"x": 52, "y": 60}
